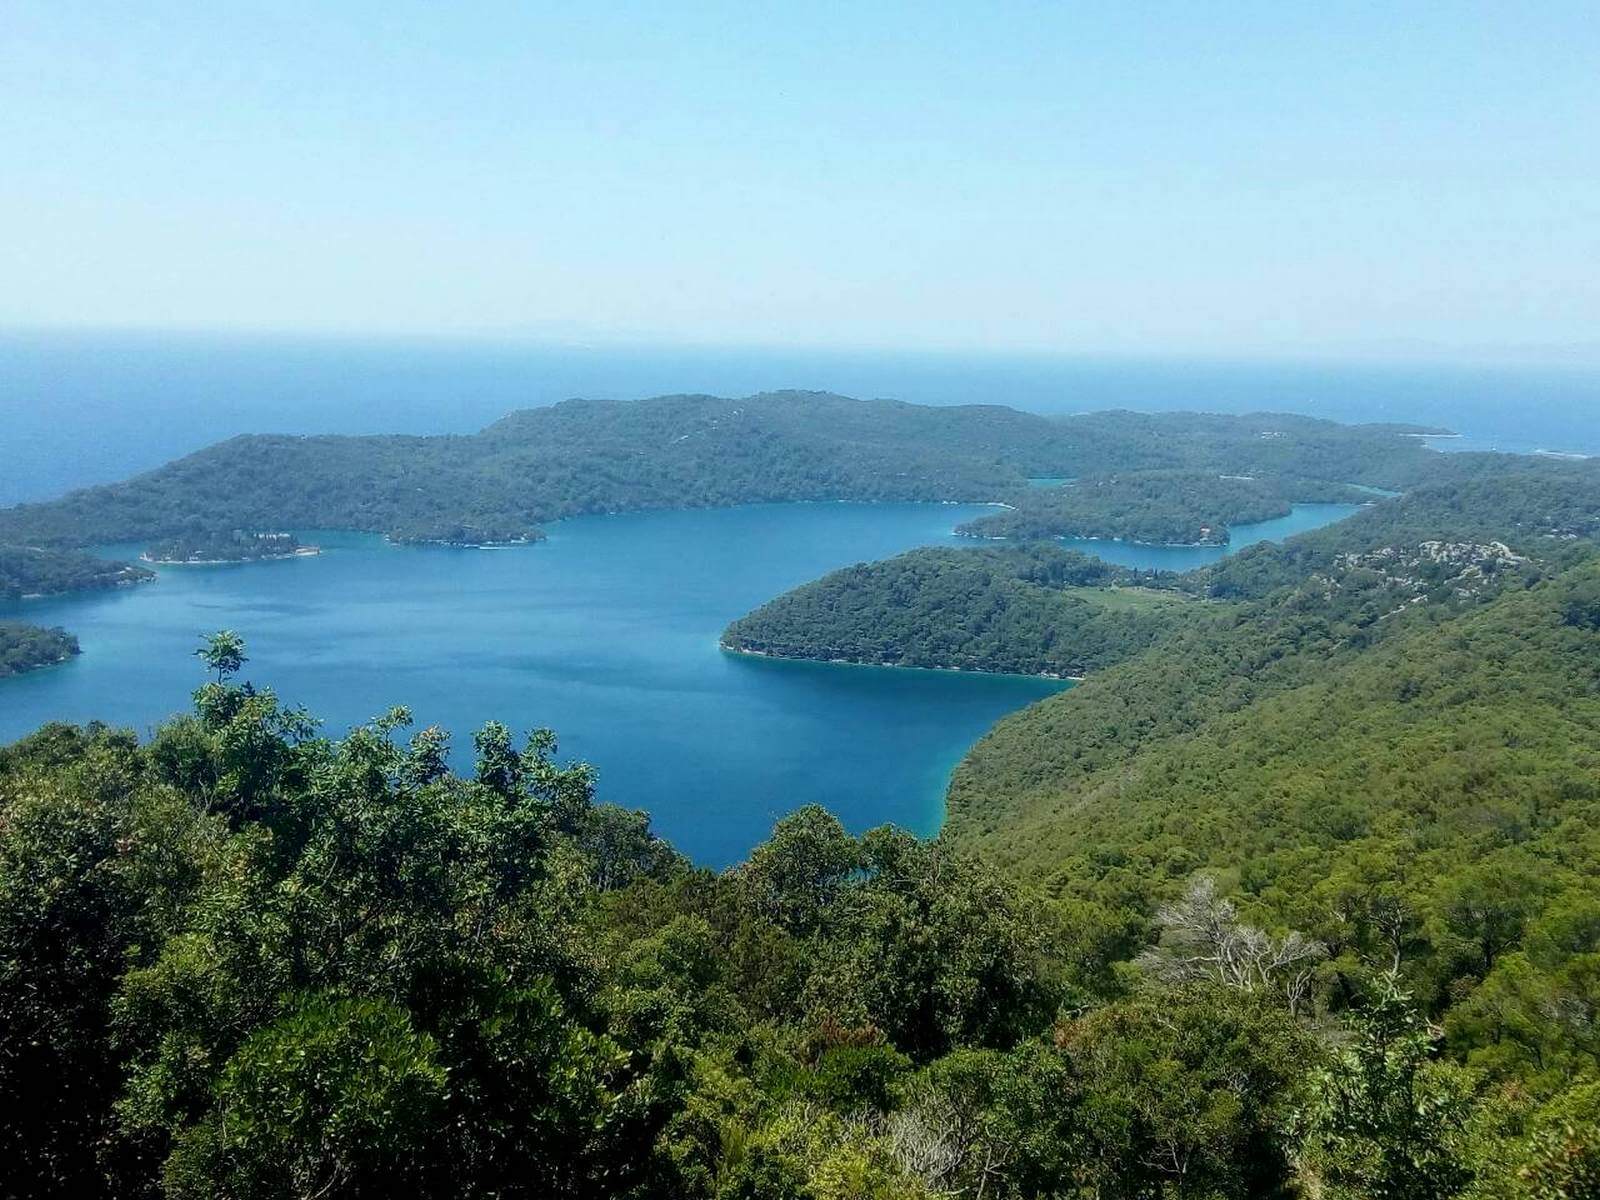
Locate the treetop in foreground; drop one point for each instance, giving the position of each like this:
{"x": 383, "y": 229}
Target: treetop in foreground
{"x": 245, "y": 959}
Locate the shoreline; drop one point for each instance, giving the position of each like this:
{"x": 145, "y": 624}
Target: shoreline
{"x": 302, "y": 552}
{"x": 42, "y": 665}
{"x": 506, "y": 544}
{"x": 1078, "y": 537}
{"x": 850, "y": 662}
{"x": 112, "y": 585}
{"x": 1222, "y": 545}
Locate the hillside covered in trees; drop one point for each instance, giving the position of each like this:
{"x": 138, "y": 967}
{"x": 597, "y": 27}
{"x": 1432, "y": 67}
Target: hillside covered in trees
{"x": 30, "y": 571}
{"x": 1396, "y": 758}
{"x": 200, "y": 545}
{"x": 1298, "y": 895}
{"x": 26, "y": 647}
{"x": 1166, "y": 507}
{"x": 243, "y": 960}
{"x": 587, "y": 456}
{"x": 1036, "y": 609}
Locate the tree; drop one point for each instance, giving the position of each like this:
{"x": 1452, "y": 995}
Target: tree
{"x": 499, "y": 765}
{"x": 1185, "y": 1093}
{"x": 795, "y": 875}
{"x": 1386, "y": 1120}
{"x": 93, "y": 866}
{"x": 1557, "y": 1158}
{"x": 1202, "y": 938}
{"x": 934, "y": 949}
{"x": 339, "y": 1097}
{"x": 222, "y": 652}
{"x": 427, "y": 759}
{"x": 1482, "y": 911}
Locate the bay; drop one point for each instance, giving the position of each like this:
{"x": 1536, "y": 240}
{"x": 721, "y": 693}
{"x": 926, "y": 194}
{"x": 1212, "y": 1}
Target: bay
{"x": 606, "y": 633}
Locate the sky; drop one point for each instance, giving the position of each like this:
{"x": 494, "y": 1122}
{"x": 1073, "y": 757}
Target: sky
{"x": 1118, "y": 178}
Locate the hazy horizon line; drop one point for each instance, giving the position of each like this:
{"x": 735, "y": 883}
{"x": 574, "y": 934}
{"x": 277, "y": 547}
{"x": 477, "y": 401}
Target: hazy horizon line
{"x": 561, "y": 336}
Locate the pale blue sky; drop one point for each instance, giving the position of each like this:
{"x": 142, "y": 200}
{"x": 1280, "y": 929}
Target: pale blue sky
{"x": 1154, "y": 177}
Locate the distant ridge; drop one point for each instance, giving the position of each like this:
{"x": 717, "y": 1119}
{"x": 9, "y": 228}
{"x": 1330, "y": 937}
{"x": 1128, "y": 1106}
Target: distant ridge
{"x": 593, "y": 456}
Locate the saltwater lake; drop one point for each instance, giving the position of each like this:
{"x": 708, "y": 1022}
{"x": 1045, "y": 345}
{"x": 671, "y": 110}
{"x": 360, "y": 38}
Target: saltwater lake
{"x": 606, "y": 633}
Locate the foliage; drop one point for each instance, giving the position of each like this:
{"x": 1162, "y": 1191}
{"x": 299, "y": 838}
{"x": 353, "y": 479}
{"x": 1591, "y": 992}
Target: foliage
{"x": 586, "y": 456}
{"x": 1388, "y": 1122}
{"x": 26, "y": 647}
{"x": 202, "y": 545}
{"x": 31, "y": 571}
{"x": 243, "y": 960}
{"x": 1168, "y": 507}
{"x": 1423, "y": 805}
{"x": 1035, "y": 609}
{"x": 1297, "y": 898}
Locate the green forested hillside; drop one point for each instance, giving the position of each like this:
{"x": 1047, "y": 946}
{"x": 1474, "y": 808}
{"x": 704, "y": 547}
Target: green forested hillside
{"x": 234, "y": 545}
{"x": 1035, "y": 609}
{"x": 687, "y": 451}
{"x": 240, "y": 960}
{"x": 1298, "y": 896}
{"x": 1542, "y": 508}
{"x": 1040, "y": 608}
{"x": 1447, "y": 774}
{"x": 24, "y": 647}
{"x": 28, "y": 571}
{"x": 1173, "y": 507}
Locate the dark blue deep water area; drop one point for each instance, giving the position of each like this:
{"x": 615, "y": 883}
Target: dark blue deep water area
{"x": 607, "y": 633}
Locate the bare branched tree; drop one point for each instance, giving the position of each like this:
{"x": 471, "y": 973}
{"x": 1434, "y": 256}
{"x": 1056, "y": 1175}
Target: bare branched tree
{"x": 1202, "y": 938}
{"x": 944, "y": 1146}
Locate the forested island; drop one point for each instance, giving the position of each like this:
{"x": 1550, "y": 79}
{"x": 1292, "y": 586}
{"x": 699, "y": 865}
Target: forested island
{"x": 28, "y": 571}
{"x": 441, "y": 533}
{"x": 1161, "y": 507}
{"x": 590, "y": 456}
{"x": 28, "y": 647}
{"x": 202, "y": 546}
{"x": 1034, "y": 610}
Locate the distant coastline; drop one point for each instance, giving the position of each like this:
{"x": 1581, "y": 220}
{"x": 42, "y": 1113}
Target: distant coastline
{"x": 851, "y": 662}
{"x": 298, "y": 552}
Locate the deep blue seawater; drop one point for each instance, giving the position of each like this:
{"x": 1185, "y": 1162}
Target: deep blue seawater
{"x": 606, "y": 633}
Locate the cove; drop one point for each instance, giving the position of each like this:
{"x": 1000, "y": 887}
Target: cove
{"x": 607, "y": 633}
{"x": 1302, "y": 519}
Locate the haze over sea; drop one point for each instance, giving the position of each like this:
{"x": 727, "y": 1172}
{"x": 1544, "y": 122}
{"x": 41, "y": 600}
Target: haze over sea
{"x": 82, "y": 408}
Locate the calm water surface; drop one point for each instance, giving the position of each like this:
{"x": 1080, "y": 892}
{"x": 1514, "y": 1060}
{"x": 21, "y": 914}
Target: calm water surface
{"x": 606, "y": 633}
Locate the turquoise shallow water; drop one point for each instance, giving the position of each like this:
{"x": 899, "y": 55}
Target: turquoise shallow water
{"x": 606, "y": 633}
